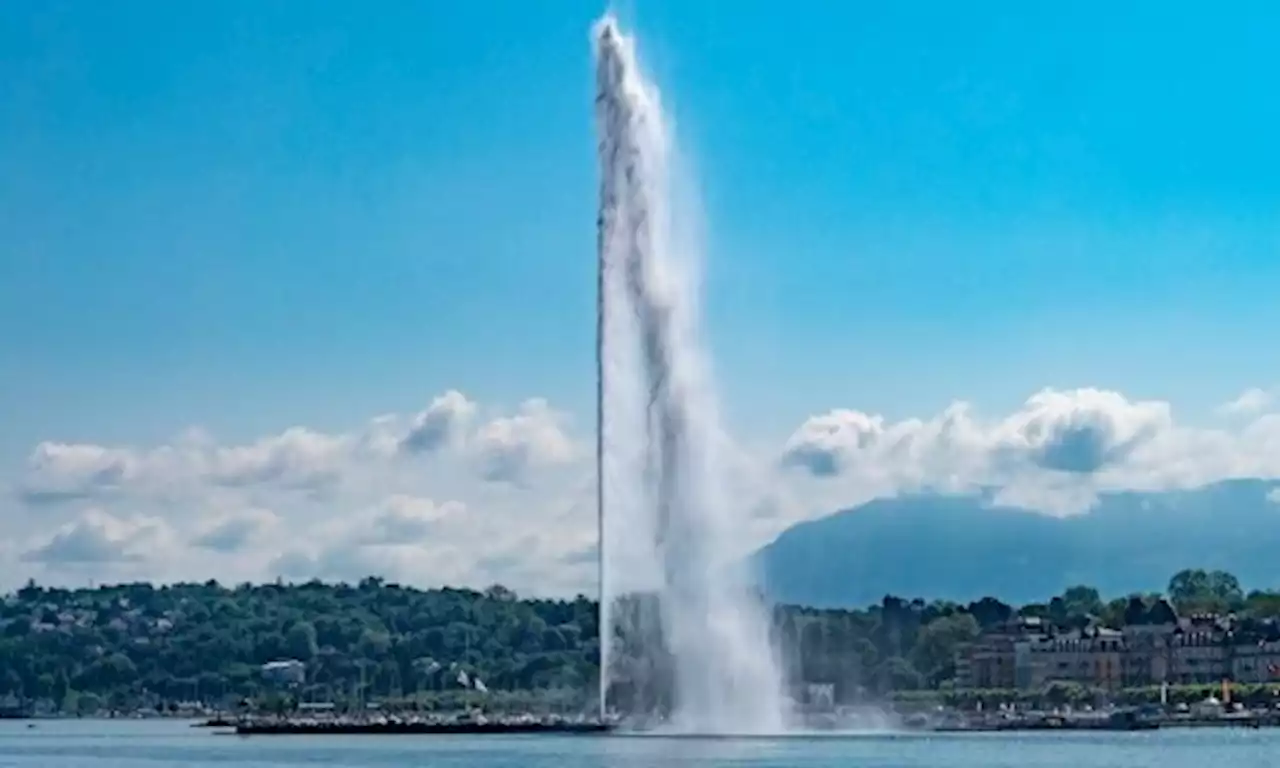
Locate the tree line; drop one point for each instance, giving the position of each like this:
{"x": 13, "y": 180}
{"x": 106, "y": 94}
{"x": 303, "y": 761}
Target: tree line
{"x": 126, "y": 645}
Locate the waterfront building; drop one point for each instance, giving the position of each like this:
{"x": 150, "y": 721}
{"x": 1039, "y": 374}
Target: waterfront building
{"x": 284, "y": 672}
{"x": 1256, "y": 662}
{"x": 1201, "y": 650}
{"x": 1002, "y": 658}
{"x": 1092, "y": 656}
{"x": 1156, "y": 648}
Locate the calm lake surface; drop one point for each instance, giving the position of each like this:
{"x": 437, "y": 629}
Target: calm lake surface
{"x": 85, "y": 744}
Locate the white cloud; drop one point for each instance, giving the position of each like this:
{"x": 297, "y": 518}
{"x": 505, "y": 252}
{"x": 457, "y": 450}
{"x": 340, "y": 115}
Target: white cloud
{"x": 827, "y": 444}
{"x": 1273, "y": 495}
{"x": 423, "y": 496}
{"x": 1053, "y": 454}
{"x": 439, "y": 425}
{"x": 296, "y": 458}
{"x": 508, "y": 447}
{"x": 62, "y": 471}
{"x": 443, "y": 496}
{"x": 401, "y": 537}
{"x": 98, "y": 537}
{"x": 349, "y": 564}
{"x": 402, "y": 519}
{"x": 235, "y": 531}
{"x": 1080, "y": 431}
{"x": 299, "y": 458}
{"x": 1250, "y": 401}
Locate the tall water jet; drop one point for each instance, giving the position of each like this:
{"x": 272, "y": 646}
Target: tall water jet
{"x": 683, "y": 637}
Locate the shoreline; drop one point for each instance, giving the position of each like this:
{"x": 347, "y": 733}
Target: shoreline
{"x": 269, "y": 726}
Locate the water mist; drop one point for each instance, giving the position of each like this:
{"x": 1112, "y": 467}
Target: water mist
{"x": 684, "y": 640}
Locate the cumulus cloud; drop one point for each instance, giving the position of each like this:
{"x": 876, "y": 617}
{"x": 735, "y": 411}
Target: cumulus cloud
{"x": 1250, "y": 401}
{"x": 296, "y": 458}
{"x": 236, "y": 531}
{"x": 62, "y": 471}
{"x": 508, "y": 447}
{"x": 1081, "y": 431}
{"x": 441, "y": 423}
{"x": 402, "y": 519}
{"x": 401, "y": 537}
{"x": 347, "y": 564}
{"x": 98, "y": 537}
{"x": 826, "y": 444}
{"x": 442, "y": 496}
{"x": 468, "y": 495}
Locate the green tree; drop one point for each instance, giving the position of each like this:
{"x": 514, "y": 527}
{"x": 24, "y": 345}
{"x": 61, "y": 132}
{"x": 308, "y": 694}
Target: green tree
{"x": 300, "y": 642}
{"x": 990, "y": 612}
{"x": 1263, "y": 604}
{"x": 1226, "y": 591}
{"x": 897, "y": 674}
{"x": 1113, "y": 613}
{"x": 1082, "y": 602}
{"x": 114, "y": 670}
{"x": 1195, "y": 590}
{"x": 1188, "y": 586}
{"x": 499, "y": 593}
{"x": 864, "y": 662}
{"x": 11, "y": 682}
{"x": 60, "y": 688}
{"x": 935, "y": 651}
{"x": 88, "y": 703}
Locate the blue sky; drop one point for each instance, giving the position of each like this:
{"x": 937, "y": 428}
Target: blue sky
{"x": 247, "y": 216}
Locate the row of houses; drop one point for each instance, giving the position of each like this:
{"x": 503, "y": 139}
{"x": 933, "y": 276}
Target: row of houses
{"x": 1027, "y": 653}
{"x": 118, "y": 615}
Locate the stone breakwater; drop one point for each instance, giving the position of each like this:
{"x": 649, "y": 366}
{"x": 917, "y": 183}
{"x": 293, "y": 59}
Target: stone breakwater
{"x": 391, "y": 727}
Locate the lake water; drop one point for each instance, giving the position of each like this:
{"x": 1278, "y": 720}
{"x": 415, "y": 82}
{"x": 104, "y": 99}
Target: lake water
{"x": 85, "y": 744}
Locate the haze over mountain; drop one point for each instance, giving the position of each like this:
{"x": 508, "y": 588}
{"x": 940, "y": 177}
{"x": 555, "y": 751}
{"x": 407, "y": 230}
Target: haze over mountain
{"x": 962, "y": 547}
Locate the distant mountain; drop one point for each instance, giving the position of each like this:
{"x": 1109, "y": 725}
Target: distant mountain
{"x": 964, "y": 547}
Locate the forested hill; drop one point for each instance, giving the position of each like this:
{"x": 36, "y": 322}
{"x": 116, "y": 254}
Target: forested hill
{"x": 130, "y": 645}
{"x": 203, "y": 640}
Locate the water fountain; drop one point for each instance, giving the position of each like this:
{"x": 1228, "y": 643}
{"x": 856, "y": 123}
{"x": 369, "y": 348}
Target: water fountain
{"x": 682, "y": 635}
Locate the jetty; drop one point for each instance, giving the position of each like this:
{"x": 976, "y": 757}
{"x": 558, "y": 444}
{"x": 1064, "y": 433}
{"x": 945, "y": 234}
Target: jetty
{"x": 1116, "y": 722}
{"x": 396, "y": 726}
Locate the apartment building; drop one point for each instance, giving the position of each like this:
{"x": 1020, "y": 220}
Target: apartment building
{"x": 1256, "y": 662}
{"x": 1093, "y": 656}
{"x": 1002, "y": 658}
{"x": 1200, "y": 652}
{"x": 1028, "y": 654}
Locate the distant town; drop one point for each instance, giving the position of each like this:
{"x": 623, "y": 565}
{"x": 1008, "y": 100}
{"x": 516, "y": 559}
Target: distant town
{"x": 133, "y": 649}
